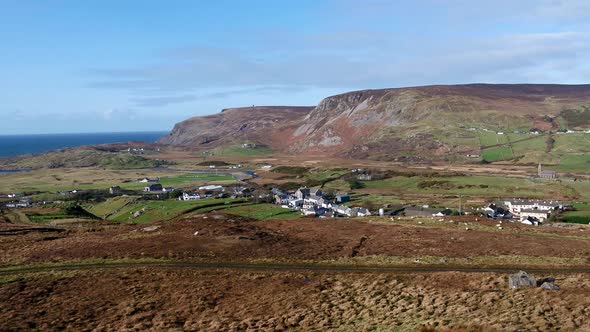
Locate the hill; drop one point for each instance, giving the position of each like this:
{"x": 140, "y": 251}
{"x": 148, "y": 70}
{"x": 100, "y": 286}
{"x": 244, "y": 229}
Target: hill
{"x": 262, "y": 124}
{"x": 104, "y": 156}
{"x": 416, "y": 123}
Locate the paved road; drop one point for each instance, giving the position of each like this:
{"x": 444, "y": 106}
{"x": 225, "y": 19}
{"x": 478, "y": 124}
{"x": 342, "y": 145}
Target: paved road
{"x": 280, "y": 268}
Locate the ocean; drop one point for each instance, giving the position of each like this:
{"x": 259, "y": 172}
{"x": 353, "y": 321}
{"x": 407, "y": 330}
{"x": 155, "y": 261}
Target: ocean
{"x": 14, "y": 145}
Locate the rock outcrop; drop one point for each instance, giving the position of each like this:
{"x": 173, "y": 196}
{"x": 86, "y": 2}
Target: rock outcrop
{"x": 521, "y": 280}
{"x": 260, "y": 124}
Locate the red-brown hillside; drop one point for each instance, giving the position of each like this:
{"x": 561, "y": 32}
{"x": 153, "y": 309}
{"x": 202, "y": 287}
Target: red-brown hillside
{"x": 400, "y": 121}
{"x": 237, "y": 125}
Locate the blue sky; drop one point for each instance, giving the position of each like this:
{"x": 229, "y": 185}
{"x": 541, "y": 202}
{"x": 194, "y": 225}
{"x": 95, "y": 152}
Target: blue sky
{"x": 96, "y": 66}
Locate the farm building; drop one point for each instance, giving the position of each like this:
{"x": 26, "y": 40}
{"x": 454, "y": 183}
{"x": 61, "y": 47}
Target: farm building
{"x": 153, "y": 187}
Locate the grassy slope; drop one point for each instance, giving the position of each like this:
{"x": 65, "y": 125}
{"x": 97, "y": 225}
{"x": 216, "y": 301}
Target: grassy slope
{"x": 82, "y": 158}
{"x": 497, "y": 153}
{"x": 83, "y": 178}
{"x": 581, "y": 215}
{"x": 453, "y": 130}
{"x": 491, "y": 138}
{"x": 193, "y": 178}
{"x": 485, "y": 186}
{"x": 263, "y": 211}
{"x": 162, "y": 210}
{"x": 569, "y": 152}
{"x": 109, "y": 206}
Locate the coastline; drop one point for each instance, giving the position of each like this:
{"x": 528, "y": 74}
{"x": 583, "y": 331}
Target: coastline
{"x": 21, "y": 145}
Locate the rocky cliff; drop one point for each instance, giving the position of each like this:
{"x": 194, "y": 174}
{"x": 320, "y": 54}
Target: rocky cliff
{"x": 402, "y": 122}
{"x": 261, "y": 125}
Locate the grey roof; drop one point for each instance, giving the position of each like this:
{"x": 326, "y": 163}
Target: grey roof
{"x": 421, "y": 212}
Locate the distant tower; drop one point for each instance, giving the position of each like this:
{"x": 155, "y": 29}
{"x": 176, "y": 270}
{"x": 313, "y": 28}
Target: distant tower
{"x": 539, "y": 169}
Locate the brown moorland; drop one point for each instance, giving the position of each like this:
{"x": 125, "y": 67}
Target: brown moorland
{"x": 103, "y": 276}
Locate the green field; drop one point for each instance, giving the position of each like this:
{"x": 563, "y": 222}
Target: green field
{"x": 576, "y": 217}
{"x": 166, "y": 210}
{"x": 64, "y": 212}
{"x": 262, "y": 211}
{"x": 184, "y": 180}
{"x": 325, "y": 175}
{"x": 582, "y": 189}
{"x": 484, "y": 186}
{"x": 461, "y": 137}
{"x": 109, "y": 206}
{"x": 523, "y": 147}
{"x": 195, "y": 178}
{"x": 338, "y": 186}
{"x": 498, "y": 153}
{"x": 52, "y": 180}
{"x": 573, "y": 163}
{"x": 571, "y": 143}
{"x": 43, "y": 218}
{"x": 162, "y": 210}
{"x": 512, "y": 137}
{"x": 122, "y": 209}
{"x": 487, "y": 138}
{"x": 580, "y": 216}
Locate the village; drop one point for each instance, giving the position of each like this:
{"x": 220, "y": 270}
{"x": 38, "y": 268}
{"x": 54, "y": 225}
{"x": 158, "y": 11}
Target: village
{"x": 308, "y": 201}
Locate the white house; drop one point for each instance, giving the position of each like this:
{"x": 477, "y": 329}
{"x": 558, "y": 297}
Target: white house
{"x": 344, "y": 210}
{"x": 326, "y": 204}
{"x": 282, "y": 199}
{"x": 23, "y": 203}
{"x": 153, "y": 187}
{"x": 313, "y": 200}
{"x": 315, "y": 192}
{"x": 361, "y": 212}
{"x": 311, "y": 211}
{"x": 146, "y": 180}
{"x": 189, "y": 197}
{"x": 538, "y": 214}
{"x": 295, "y": 203}
{"x": 517, "y": 205}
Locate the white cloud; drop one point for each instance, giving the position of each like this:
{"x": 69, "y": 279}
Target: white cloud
{"x": 116, "y": 114}
{"x": 508, "y": 45}
{"x": 568, "y": 9}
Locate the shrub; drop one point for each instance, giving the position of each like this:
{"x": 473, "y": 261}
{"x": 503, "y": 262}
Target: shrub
{"x": 355, "y": 184}
{"x": 292, "y": 170}
{"x": 213, "y": 163}
{"x": 549, "y": 144}
{"x": 435, "y": 184}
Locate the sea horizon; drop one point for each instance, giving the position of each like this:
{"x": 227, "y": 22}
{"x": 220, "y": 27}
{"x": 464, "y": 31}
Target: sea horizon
{"x": 13, "y": 145}
{"x": 89, "y": 133}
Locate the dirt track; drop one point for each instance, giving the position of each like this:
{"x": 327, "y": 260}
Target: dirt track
{"x": 293, "y": 267}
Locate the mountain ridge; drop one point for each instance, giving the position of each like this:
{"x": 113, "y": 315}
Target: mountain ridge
{"x": 385, "y": 123}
